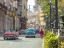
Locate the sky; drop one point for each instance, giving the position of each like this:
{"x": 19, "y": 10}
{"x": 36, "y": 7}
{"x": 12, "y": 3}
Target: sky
{"x": 31, "y": 3}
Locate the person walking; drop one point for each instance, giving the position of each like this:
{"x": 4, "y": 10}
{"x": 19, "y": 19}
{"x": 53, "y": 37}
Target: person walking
{"x": 41, "y": 33}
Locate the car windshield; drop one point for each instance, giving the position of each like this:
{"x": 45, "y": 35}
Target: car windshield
{"x": 10, "y": 31}
{"x": 30, "y": 30}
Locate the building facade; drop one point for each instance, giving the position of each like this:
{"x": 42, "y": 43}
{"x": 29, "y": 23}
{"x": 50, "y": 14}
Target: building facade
{"x": 13, "y": 14}
{"x": 8, "y": 18}
{"x": 41, "y": 18}
{"x": 32, "y": 19}
{"x": 22, "y": 13}
{"x": 35, "y": 6}
{"x": 3, "y": 10}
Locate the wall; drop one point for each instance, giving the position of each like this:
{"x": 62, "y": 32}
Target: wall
{"x": 17, "y": 22}
{"x": 1, "y": 1}
{"x": 24, "y": 11}
{"x": 2, "y": 19}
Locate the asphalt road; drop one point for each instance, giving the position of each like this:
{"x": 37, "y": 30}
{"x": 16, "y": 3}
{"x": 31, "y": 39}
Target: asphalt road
{"x": 22, "y": 42}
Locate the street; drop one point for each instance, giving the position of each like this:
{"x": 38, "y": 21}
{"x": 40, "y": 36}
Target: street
{"x": 22, "y": 42}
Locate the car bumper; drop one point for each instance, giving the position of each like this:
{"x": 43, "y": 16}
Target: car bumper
{"x": 30, "y": 35}
{"x": 9, "y": 37}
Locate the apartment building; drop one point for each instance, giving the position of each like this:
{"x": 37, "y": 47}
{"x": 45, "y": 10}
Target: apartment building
{"x": 22, "y": 13}
{"x": 3, "y": 10}
{"x": 41, "y": 18}
{"x": 13, "y": 14}
{"x": 8, "y": 22}
{"x": 8, "y": 19}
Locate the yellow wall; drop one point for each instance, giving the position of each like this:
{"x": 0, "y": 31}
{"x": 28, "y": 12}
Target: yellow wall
{"x": 41, "y": 18}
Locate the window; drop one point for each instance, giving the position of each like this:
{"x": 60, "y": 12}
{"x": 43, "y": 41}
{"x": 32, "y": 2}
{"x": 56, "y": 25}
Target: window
{"x": 19, "y": 7}
{"x": 19, "y": 13}
{"x": 20, "y": 1}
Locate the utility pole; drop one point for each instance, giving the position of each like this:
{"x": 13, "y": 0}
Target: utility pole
{"x": 50, "y": 13}
{"x": 56, "y": 14}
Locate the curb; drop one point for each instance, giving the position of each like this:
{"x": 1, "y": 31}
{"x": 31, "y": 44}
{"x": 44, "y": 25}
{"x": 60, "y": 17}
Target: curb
{"x": 42, "y": 43}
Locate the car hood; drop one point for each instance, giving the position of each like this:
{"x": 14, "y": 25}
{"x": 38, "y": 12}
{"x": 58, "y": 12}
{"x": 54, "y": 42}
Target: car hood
{"x": 30, "y": 32}
{"x": 9, "y": 33}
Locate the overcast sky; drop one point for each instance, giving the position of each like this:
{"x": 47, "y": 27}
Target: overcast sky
{"x": 31, "y": 3}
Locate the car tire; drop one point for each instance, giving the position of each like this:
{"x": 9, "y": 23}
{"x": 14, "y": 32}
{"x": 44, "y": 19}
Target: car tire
{"x": 34, "y": 36}
{"x": 4, "y": 38}
{"x": 26, "y": 36}
{"x": 16, "y": 38}
{"x": 7, "y": 38}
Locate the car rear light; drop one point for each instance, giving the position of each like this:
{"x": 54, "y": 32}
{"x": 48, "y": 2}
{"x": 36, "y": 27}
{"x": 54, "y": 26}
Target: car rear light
{"x": 9, "y": 34}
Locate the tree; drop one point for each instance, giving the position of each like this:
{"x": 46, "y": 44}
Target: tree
{"x": 61, "y": 7}
{"x": 46, "y": 6}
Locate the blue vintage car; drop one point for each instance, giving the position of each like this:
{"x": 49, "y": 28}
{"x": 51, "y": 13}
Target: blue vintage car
{"x": 30, "y": 32}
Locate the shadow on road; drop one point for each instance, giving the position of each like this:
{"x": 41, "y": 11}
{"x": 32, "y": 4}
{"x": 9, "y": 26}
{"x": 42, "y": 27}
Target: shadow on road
{"x": 36, "y": 36}
{"x": 12, "y": 40}
{"x": 20, "y": 39}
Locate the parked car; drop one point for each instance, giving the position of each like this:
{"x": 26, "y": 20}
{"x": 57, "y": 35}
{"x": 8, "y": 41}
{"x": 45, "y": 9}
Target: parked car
{"x": 30, "y": 32}
{"x": 22, "y": 31}
{"x": 10, "y": 34}
{"x": 37, "y": 31}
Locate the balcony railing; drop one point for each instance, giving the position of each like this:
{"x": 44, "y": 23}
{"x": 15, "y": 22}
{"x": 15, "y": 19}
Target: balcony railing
{"x": 3, "y": 7}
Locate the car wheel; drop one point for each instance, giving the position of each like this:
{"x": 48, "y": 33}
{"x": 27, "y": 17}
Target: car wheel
{"x": 7, "y": 38}
{"x": 19, "y": 33}
{"x": 26, "y": 36}
{"x": 16, "y": 38}
{"x": 34, "y": 36}
{"x": 4, "y": 38}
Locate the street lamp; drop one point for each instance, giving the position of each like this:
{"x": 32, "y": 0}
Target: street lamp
{"x": 56, "y": 14}
{"x": 50, "y": 13}
{"x": 46, "y": 22}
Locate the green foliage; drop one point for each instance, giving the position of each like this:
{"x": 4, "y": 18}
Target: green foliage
{"x": 53, "y": 42}
{"x": 62, "y": 44}
{"x": 61, "y": 7}
{"x": 46, "y": 6}
{"x": 50, "y": 40}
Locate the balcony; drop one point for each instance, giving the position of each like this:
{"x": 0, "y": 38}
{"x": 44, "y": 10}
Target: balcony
{"x": 3, "y": 7}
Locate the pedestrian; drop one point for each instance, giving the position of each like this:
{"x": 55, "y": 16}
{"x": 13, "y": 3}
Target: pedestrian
{"x": 41, "y": 33}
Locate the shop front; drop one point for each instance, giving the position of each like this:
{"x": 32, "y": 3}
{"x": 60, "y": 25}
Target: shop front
{"x": 23, "y": 22}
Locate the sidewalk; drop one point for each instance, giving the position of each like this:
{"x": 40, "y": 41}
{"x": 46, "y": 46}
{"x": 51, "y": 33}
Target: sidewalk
{"x": 42, "y": 43}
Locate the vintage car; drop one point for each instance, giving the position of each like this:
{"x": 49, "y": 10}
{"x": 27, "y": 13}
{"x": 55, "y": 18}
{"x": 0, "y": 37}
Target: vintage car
{"x": 10, "y": 34}
{"x": 37, "y": 31}
{"x": 22, "y": 31}
{"x": 30, "y": 32}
